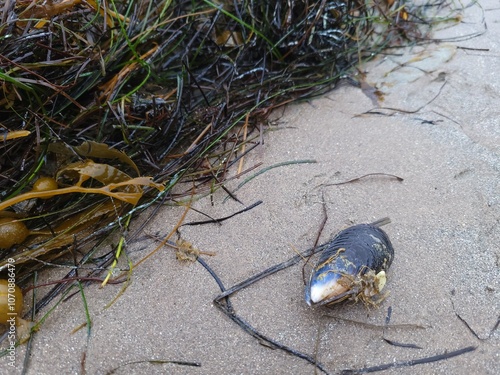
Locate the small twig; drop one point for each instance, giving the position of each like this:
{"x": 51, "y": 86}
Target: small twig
{"x": 228, "y": 310}
{"x": 474, "y": 49}
{"x": 155, "y": 361}
{"x": 361, "y": 177}
{"x": 389, "y": 315}
{"x": 464, "y": 321}
{"x": 377, "y": 326}
{"x": 202, "y": 213}
{"x": 394, "y": 343}
{"x": 468, "y": 326}
{"x": 248, "y": 179}
{"x": 221, "y": 184}
{"x": 413, "y": 362}
{"x": 377, "y": 110}
{"x": 271, "y": 270}
{"x": 401, "y": 345}
{"x": 218, "y": 221}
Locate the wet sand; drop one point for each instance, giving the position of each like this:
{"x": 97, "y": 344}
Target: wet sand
{"x": 438, "y": 129}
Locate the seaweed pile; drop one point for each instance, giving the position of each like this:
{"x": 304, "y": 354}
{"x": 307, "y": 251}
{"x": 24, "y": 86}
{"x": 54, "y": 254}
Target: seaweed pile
{"x": 105, "y": 106}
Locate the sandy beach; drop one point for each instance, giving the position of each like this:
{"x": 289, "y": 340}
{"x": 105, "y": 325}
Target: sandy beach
{"x": 436, "y": 127}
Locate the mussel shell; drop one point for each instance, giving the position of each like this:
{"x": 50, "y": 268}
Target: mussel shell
{"x": 350, "y": 255}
